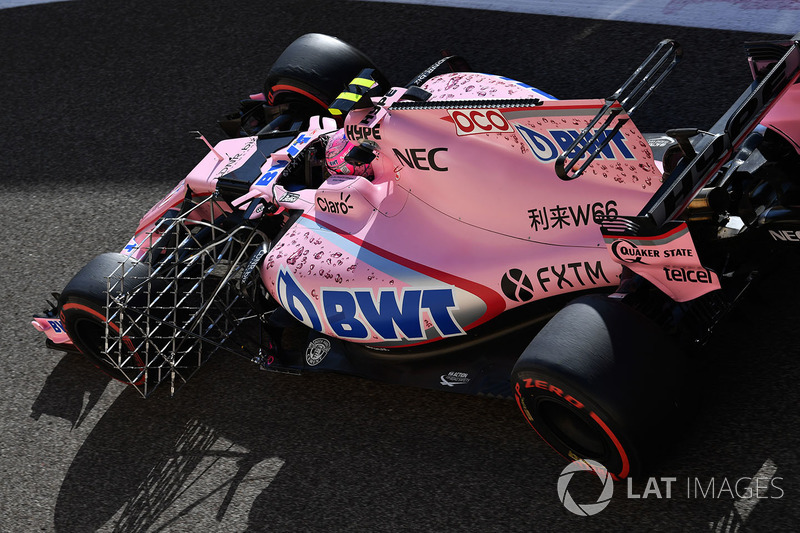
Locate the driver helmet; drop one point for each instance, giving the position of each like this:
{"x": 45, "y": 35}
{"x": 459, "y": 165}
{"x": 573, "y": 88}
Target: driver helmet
{"x": 337, "y": 148}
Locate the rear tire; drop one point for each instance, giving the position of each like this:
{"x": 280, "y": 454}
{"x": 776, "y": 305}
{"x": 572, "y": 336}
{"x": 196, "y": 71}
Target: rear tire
{"x": 603, "y": 382}
{"x": 314, "y": 69}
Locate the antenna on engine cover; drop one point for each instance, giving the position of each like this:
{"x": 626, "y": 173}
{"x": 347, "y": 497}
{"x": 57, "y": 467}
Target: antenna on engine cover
{"x": 627, "y": 98}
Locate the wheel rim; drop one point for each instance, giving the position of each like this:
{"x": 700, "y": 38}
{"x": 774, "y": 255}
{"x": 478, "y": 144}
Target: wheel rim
{"x": 574, "y": 431}
{"x": 88, "y": 333}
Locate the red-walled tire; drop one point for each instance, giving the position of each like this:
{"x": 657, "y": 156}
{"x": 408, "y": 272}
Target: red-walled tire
{"x": 603, "y": 382}
{"x": 83, "y": 314}
{"x": 314, "y": 69}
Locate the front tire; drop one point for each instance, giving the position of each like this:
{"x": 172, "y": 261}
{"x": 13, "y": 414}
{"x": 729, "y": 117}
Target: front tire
{"x": 85, "y": 316}
{"x": 603, "y": 382}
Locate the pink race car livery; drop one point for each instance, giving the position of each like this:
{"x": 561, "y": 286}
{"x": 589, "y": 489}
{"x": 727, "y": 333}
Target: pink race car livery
{"x": 425, "y": 234}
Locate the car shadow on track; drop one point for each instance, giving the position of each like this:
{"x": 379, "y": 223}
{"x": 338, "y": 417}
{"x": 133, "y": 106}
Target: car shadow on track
{"x": 69, "y": 393}
{"x": 239, "y": 449}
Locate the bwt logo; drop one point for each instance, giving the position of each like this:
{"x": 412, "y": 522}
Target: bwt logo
{"x": 297, "y": 146}
{"x": 357, "y": 313}
{"x": 547, "y": 147}
{"x": 273, "y": 172}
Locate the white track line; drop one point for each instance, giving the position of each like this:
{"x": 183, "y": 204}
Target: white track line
{"x": 756, "y": 490}
{"x": 18, "y": 3}
{"x": 767, "y": 16}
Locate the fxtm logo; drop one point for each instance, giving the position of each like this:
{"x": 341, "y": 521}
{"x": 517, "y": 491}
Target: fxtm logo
{"x": 586, "y": 509}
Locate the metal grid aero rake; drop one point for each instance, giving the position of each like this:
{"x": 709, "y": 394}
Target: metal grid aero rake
{"x": 168, "y": 322}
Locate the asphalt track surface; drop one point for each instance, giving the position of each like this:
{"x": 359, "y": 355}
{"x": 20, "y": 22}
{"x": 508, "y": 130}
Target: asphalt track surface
{"x": 95, "y": 102}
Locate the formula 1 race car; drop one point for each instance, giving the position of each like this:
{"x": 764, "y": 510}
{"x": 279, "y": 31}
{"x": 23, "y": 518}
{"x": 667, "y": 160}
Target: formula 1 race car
{"x": 466, "y": 232}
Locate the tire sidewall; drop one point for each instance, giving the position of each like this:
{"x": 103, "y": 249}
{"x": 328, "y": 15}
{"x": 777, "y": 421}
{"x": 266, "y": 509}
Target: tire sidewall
{"x": 535, "y": 390}
{"x": 612, "y": 373}
{"x": 75, "y": 314}
{"x": 316, "y": 68}
{"x": 83, "y": 304}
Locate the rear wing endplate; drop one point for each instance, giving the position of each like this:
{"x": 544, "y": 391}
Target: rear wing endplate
{"x": 775, "y": 66}
{"x": 655, "y": 244}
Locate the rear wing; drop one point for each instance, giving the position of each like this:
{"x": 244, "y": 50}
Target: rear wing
{"x": 775, "y": 66}
{"x": 657, "y": 246}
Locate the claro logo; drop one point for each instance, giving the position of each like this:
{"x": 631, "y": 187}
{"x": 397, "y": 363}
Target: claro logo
{"x": 338, "y": 207}
{"x": 471, "y": 122}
